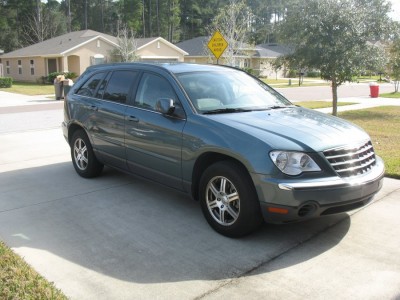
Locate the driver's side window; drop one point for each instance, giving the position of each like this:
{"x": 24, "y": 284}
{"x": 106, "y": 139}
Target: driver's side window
{"x": 151, "y": 89}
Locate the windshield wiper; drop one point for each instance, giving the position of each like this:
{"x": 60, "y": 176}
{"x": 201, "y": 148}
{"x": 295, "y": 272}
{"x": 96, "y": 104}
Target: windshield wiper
{"x": 278, "y": 106}
{"x": 225, "y": 110}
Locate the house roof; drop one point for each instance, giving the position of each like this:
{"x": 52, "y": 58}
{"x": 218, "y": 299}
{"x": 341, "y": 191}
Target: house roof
{"x": 143, "y": 42}
{"x": 195, "y": 46}
{"x": 271, "y": 50}
{"x": 62, "y": 44}
{"x": 65, "y": 43}
{"x": 198, "y": 46}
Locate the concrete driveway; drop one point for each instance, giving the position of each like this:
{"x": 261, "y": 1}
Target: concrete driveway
{"x": 120, "y": 237}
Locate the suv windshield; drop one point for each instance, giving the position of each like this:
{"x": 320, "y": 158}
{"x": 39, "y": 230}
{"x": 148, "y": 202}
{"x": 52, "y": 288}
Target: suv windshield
{"x": 229, "y": 91}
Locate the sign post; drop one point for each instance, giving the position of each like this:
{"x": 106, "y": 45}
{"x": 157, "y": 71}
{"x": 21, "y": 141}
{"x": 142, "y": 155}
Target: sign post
{"x": 217, "y": 44}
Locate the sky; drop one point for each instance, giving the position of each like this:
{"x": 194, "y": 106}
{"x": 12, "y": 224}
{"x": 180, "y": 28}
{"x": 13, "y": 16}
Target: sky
{"x": 395, "y": 10}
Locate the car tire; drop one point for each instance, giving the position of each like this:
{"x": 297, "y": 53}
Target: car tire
{"x": 228, "y": 199}
{"x": 83, "y": 158}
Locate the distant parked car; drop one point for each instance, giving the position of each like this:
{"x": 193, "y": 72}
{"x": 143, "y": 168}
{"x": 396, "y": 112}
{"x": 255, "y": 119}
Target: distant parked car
{"x": 224, "y": 137}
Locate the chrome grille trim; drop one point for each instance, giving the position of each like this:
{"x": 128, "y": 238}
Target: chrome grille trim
{"x": 352, "y": 161}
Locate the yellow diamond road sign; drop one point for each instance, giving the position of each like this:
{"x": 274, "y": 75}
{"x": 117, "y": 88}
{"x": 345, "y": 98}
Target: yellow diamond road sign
{"x": 217, "y": 44}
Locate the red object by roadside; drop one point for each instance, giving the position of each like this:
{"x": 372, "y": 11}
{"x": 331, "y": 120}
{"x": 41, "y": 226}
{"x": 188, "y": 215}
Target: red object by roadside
{"x": 374, "y": 90}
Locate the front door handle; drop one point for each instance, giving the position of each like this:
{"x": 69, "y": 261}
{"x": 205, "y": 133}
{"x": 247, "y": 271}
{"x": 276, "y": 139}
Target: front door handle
{"x": 93, "y": 107}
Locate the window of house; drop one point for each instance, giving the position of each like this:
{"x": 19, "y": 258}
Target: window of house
{"x": 118, "y": 86}
{"x": 97, "y": 59}
{"x": 8, "y": 67}
{"x": 32, "y": 65}
{"x": 19, "y": 66}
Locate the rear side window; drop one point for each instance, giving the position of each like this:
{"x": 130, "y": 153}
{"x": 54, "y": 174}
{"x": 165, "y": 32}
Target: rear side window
{"x": 90, "y": 86}
{"x": 118, "y": 86}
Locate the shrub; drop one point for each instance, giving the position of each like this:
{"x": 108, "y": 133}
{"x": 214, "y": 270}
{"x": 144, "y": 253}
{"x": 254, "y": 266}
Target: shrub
{"x": 67, "y": 75}
{"x": 70, "y": 75}
{"x": 6, "y": 82}
{"x": 313, "y": 74}
{"x": 293, "y": 73}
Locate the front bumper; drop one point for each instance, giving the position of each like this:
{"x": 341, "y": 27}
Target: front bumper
{"x": 294, "y": 200}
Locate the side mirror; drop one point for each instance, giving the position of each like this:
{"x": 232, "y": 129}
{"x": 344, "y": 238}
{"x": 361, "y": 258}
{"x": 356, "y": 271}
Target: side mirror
{"x": 165, "y": 106}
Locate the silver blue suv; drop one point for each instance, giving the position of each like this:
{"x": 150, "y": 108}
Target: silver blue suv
{"x": 230, "y": 141}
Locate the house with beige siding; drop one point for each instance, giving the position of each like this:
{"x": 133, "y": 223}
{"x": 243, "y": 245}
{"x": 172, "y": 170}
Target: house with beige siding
{"x": 259, "y": 58}
{"x": 75, "y": 51}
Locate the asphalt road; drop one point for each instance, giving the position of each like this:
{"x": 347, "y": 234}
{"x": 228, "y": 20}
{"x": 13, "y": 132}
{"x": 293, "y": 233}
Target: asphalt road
{"x": 120, "y": 237}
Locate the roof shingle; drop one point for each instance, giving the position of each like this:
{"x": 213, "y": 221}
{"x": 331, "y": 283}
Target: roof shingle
{"x": 61, "y": 44}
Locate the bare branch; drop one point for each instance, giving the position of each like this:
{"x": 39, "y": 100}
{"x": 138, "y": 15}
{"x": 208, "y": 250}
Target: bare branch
{"x": 127, "y": 45}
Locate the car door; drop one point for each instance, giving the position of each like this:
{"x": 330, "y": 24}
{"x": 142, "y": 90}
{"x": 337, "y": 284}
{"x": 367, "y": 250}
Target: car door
{"x": 107, "y": 121}
{"x": 153, "y": 140}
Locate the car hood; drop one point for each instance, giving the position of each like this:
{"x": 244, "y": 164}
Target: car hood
{"x": 295, "y": 128}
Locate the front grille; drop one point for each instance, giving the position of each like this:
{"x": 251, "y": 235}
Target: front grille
{"x": 352, "y": 161}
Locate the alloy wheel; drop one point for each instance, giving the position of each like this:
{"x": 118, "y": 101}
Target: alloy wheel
{"x": 223, "y": 200}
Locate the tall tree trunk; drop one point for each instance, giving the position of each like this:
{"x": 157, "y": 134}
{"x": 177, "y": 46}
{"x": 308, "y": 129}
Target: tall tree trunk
{"x": 169, "y": 21}
{"x": 86, "y": 15}
{"x": 158, "y": 17}
{"x": 150, "y": 20}
{"x": 334, "y": 97}
{"x": 38, "y": 11}
{"x": 102, "y": 15}
{"x": 144, "y": 19}
{"x": 69, "y": 16}
{"x": 39, "y": 29}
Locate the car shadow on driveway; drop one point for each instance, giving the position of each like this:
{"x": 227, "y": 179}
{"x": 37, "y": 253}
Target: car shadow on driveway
{"x": 134, "y": 230}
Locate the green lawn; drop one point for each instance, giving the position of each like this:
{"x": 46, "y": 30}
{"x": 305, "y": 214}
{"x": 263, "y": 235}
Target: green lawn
{"x": 30, "y": 89}
{"x": 321, "y": 104}
{"x": 382, "y": 124}
{"x": 390, "y": 95}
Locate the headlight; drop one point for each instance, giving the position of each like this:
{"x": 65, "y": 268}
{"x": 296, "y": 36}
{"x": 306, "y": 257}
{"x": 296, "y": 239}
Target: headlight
{"x": 293, "y": 163}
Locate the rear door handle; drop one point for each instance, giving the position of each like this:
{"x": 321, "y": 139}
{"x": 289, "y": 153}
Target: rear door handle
{"x": 133, "y": 119}
{"x": 93, "y": 107}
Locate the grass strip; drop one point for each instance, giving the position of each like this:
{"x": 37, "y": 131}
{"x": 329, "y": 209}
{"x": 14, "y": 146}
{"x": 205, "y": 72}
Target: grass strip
{"x": 19, "y": 281}
{"x": 29, "y": 89}
{"x": 390, "y": 95}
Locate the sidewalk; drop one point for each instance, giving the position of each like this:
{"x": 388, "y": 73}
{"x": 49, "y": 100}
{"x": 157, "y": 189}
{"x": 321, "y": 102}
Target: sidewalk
{"x": 12, "y": 99}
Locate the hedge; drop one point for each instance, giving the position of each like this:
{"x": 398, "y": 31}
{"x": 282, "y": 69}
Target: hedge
{"x": 6, "y": 82}
{"x": 68, "y": 75}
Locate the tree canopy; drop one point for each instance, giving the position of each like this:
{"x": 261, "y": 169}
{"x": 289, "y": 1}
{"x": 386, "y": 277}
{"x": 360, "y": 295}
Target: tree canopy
{"x": 394, "y": 63}
{"x": 335, "y": 37}
{"x": 24, "y": 22}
